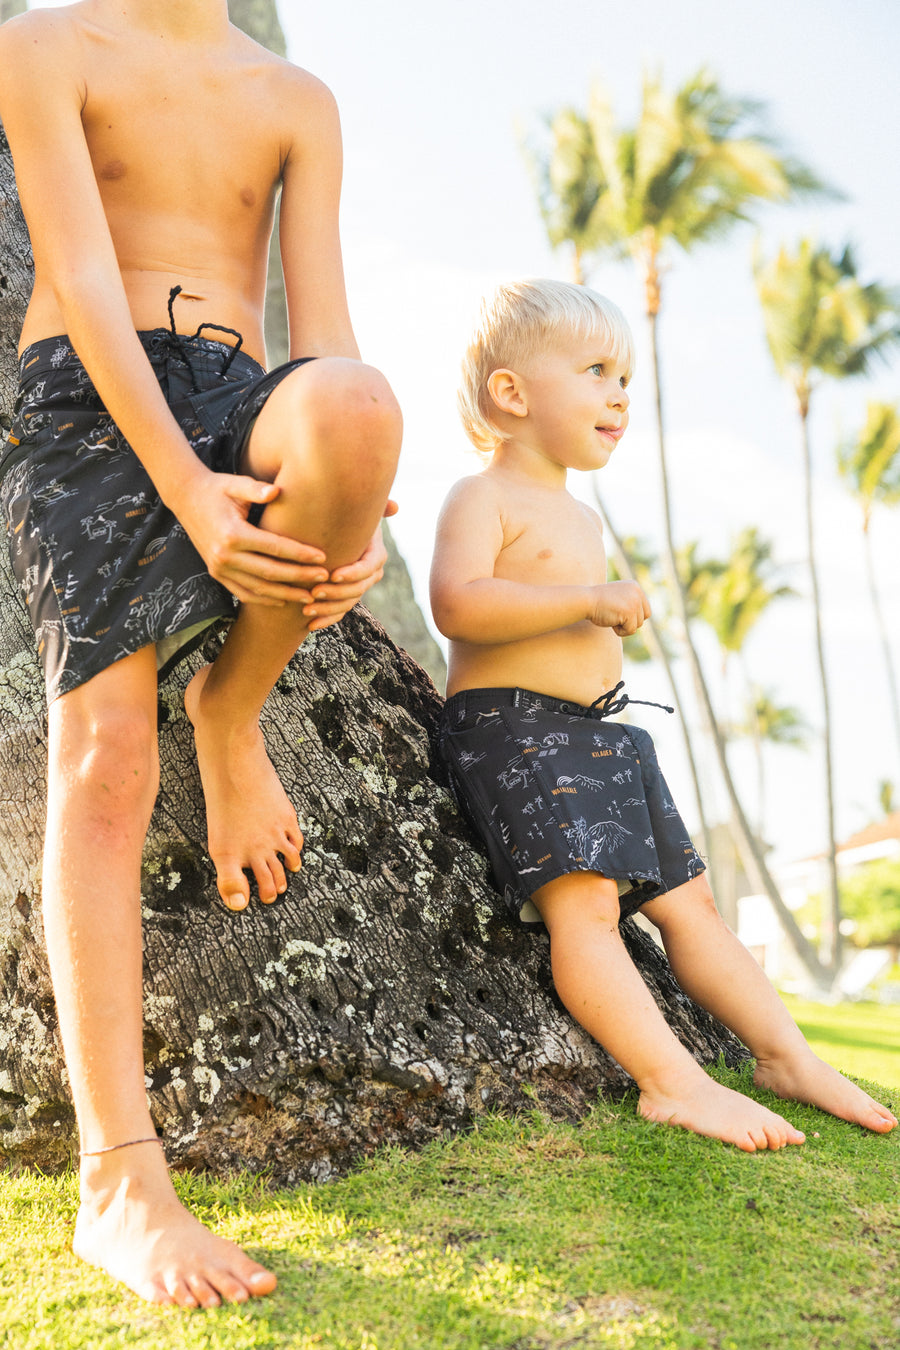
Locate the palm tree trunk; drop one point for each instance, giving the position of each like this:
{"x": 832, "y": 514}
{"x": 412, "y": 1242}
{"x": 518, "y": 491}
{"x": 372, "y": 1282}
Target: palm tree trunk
{"x": 659, "y": 653}
{"x": 883, "y": 635}
{"x": 748, "y": 846}
{"x": 760, "y": 782}
{"x": 833, "y": 927}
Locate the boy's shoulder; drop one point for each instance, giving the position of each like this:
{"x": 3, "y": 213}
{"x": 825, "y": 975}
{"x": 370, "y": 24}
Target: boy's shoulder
{"x": 39, "y": 36}
{"x": 44, "y": 29}
{"x": 480, "y": 486}
{"x": 477, "y": 500}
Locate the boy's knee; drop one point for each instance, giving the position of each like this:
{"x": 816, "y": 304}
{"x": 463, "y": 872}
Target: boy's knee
{"x": 111, "y": 754}
{"x": 348, "y": 407}
{"x": 684, "y": 905}
{"x": 579, "y": 900}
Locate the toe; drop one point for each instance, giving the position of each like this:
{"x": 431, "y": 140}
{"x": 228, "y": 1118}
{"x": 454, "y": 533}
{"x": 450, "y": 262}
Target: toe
{"x": 291, "y": 853}
{"x": 203, "y": 1292}
{"x": 261, "y": 1281}
{"x": 231, "y": 1286}
{"x": 181, "y": 1293}
{"x": 159, "y": 1294}
{"x": 278, "y": 876}
{"x": 234, "y": 887}
{"x": 266, "y": 884}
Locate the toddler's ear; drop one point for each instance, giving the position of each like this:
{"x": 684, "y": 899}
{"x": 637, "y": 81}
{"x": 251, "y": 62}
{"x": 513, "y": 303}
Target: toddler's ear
{"x": 507, "y": 392}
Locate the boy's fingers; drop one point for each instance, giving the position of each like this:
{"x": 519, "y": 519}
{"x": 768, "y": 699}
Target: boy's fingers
{"x": 280, "y": 546}
{"x": 254, "y": 489}
{"x": 329, "y": 591}
{"x": 366, "y": 570}
{"x": 323, "y": 611}
{"x": 318, "y": 624}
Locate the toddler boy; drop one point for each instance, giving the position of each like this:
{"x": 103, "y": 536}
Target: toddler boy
{"x": 576, "y": 817}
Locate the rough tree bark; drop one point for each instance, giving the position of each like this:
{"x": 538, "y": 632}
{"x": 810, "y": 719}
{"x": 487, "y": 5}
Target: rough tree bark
{"x": 385, "y": 999}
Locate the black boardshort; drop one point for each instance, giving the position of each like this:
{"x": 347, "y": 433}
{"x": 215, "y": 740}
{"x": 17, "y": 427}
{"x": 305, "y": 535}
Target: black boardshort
{"x": 104, "y": 566}
{"x": 552, "y": 788}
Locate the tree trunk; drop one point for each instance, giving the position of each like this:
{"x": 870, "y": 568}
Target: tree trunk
{"x": 385, "y": 999}
{"x": 832, "y": 916}
{"x": 883, "y": 636}
{"x": 748, "y": 846}
{"x": 658, "y": 651}
{"x": 394, "y": 605}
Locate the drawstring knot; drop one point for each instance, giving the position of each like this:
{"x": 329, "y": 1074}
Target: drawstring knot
{"x": 178, "y": 341}
{"x": 607, "y": 705}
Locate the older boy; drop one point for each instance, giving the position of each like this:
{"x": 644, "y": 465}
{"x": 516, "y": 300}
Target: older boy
{"x": 154, "y": 478}
{"x": 573, "y": 810}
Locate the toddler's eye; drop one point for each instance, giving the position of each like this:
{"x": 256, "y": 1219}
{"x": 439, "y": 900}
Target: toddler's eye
{"x": 596, "y": 368}
{"x": 624, "y": 381}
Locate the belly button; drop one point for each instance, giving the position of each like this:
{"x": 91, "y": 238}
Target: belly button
{"x": 546, "y": 553}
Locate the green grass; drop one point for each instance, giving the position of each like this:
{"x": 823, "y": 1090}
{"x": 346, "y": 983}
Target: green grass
{"x": 523, "y": 1235}
{"x": 862, "y": 1039}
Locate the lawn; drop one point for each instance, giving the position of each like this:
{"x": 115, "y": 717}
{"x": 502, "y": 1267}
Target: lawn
{"x": 861, "y": 1039}
{"x": 525, "y": 1235}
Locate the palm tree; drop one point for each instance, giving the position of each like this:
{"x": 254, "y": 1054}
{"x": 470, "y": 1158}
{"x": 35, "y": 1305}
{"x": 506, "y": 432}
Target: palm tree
{"x": 569, "y": 186}
{"x": 695, "y": 165}
{"x": 822, "y": 322}
{"x": 871, "y": 464}
{"x": 732, "y": 595}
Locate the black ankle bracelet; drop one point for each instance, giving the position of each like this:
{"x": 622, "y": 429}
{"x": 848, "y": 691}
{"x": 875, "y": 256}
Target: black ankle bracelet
{"x": 111, "y": 1148}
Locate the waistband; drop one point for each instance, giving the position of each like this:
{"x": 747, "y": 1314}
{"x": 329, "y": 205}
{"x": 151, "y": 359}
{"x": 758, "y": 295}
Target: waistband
{"x": 469, "y": 701}
{"x": 48, "y": 355}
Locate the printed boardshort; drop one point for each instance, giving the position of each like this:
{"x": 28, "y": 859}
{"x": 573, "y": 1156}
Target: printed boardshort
{"x": 104, "y": 566}
{"x": 552, "y": 788}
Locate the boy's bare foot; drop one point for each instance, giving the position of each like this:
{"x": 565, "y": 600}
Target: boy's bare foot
{"x": 250, "y": 822}
{"x": 132, "y": 1225}
{"x": 701, "y": 1104}
{"x": 809, "y": 1079}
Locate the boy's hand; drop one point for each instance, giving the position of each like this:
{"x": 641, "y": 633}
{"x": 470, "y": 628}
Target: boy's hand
{"x": 347, "y": 585}
{"x": 619, "y": 605}
{"x": 256, "y": 565}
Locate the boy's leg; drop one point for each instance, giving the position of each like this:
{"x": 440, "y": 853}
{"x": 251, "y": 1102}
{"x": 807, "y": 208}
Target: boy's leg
{"x": 329, "y": 436}
{"x": 101, "y": 787}
{"x": 718, "y": 972}
{"x": 601, "y": 987}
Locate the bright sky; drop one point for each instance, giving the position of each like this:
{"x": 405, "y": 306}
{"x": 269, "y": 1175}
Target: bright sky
{"x": 438, "y": 207}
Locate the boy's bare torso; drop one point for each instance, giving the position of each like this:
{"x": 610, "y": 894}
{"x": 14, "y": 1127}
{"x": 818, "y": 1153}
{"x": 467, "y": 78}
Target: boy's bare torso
{"x": 549, "y": 539}
{"x": 187, "y": 143}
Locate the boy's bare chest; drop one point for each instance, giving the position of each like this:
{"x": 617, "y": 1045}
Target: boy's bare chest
{"x": 559, "y": 546}
{"x": 160, "y": 126}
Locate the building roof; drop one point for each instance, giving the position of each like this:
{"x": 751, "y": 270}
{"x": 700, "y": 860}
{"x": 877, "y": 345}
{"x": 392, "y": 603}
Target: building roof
{"x": 888, "y": 828}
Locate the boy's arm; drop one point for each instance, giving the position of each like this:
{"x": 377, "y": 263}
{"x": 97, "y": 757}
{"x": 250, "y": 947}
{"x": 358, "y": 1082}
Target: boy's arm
{"x": 470, "y": 604}
{"x": 318, "y": 316}
{"x": 40, "y": 103}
